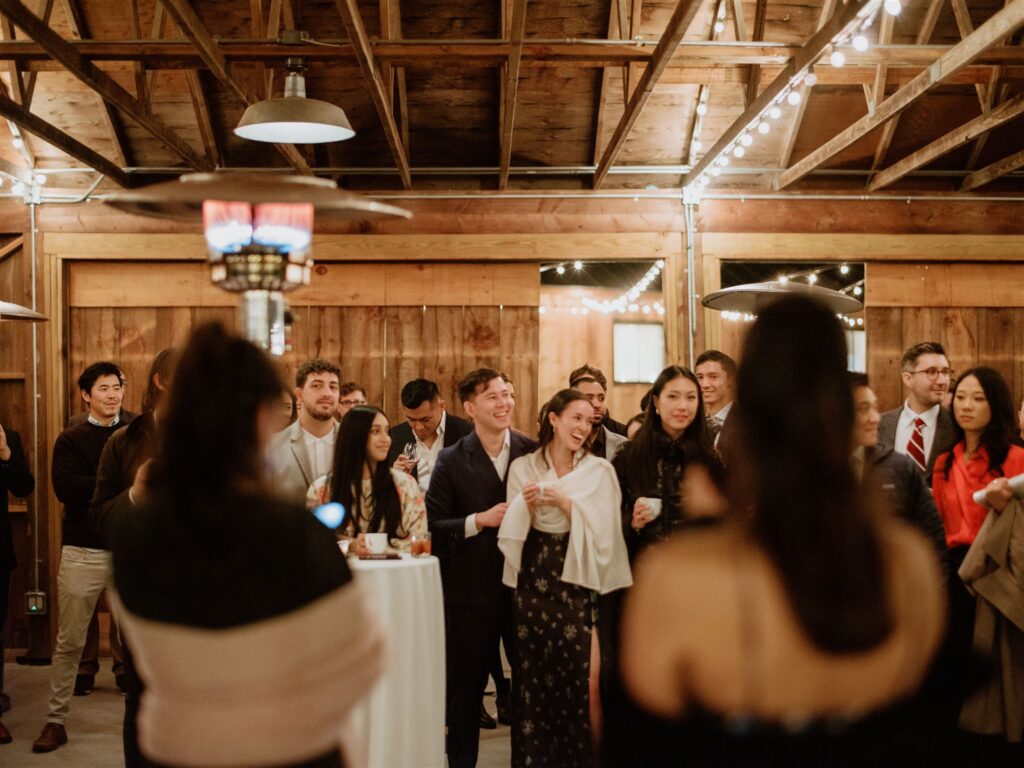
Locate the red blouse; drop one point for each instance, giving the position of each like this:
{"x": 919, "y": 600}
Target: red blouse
{"x": 961, "y": 517}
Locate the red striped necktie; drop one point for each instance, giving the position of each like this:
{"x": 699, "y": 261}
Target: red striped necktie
{"x": 915, "y": 446}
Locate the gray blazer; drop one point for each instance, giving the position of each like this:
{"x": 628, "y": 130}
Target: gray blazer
{"x": 612, "y": 443}
{"x": 942, "y": 442}
{"x": 291, "y": 472}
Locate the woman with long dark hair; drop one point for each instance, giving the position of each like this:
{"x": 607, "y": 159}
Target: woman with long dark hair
{"x": 653, "y": 464}
{"x": 981, "y": 458}
{"x": 212, "y": 572}
{"x": 378, "y": 499}
{"x": 797, "y": 626}
{"x": 562, "y": 543}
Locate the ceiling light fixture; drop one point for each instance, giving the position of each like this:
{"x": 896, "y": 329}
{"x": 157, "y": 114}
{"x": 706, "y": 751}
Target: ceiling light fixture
{"x": 294, "y": 119}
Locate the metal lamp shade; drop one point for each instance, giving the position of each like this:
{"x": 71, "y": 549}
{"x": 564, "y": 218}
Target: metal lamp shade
{"x": 751, "y": 298}
{"x": 294, "y": 120}
{"x": 10, "y": 311}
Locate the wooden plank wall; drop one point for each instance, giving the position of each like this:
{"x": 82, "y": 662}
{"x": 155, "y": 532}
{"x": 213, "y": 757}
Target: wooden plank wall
{"x": 976, "y": 311}
{"x": 355, "y": 314}
{"x": 16, "y": 414}
{"x": 568, "y": 340}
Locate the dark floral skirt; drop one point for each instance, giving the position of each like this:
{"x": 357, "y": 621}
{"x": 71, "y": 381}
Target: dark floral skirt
{"x": 551, "y": 696}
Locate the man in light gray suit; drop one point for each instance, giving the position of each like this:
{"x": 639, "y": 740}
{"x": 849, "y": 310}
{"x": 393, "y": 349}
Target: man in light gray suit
{"x": 304, "y": 451}
{"x": 922, "y": 428}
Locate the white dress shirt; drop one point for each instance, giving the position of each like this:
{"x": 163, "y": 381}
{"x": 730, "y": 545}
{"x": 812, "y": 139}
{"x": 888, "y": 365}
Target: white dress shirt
{"x": 501, "y": 467}
{"x": 320, "y": 451}
{"x": 905, "y": 428}
{"x": 426, "y": 455}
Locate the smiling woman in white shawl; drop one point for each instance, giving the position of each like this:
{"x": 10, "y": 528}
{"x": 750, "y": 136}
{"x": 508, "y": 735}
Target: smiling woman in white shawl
{"x": 562, "y": 542}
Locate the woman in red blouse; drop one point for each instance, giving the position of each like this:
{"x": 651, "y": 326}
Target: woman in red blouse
{"x": 982, "y": 458}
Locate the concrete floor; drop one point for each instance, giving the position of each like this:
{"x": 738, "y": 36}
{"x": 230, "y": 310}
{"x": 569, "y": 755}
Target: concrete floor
{"x": 94, "y": 725}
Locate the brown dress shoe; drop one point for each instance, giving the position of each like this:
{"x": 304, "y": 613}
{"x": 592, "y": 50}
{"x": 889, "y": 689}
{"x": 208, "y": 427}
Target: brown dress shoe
{"x": 53, "y": 736}
{"x": 5, "y": 735}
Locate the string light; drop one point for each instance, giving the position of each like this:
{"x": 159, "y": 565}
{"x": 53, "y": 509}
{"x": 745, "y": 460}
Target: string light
{"x": 629, "y": 298}
{"x": 789, "y": 94}
{"x": 577, "y": 265}
{"x": 18, "y": 142}
{"x": 560, "y": 269}
{"x": 844, "y": 269}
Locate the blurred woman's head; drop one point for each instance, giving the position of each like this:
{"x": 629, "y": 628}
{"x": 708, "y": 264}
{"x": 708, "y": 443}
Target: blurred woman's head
{"x": 566, "y": 420}
{"x": 795, "y": 417}
{"x": 983, "y": 410}
{"x": 217, "y": 417}
{"x": 361, "y": 452}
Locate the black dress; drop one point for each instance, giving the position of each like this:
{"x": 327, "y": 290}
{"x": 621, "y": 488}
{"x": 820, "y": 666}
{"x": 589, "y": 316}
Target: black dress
{"x": 551, "y": 696}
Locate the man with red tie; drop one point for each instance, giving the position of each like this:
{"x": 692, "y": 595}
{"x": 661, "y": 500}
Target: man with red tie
{"x": 922, "y": 428}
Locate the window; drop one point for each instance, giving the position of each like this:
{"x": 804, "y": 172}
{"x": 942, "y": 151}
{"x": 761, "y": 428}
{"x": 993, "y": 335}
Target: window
{"x": 639, "y": 352}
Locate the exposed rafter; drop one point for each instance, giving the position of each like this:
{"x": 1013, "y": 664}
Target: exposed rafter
{"x": 924, "y": 34}
{"x": 839, "y": 24}
{"x": 955, "y": 138}
{"x": 789, "y": 141}
{"x": 994, "y": 171}
{"x": 1004, "y": 22}
{"x": 754, "y": 72}
{"x": 349, "y": 11}
{"x": 79, "y": 29}
{"x": 517, "y": 31}
{"x": 667, "y": 45}
{"x": 99, "y": 81}
{"x": 62, "y": 141}
{"x": 394, "y": 77}
{"x": 192, "y": 26}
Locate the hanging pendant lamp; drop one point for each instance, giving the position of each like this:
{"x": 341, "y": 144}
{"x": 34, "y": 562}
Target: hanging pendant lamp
{"x": 294, "y": 119}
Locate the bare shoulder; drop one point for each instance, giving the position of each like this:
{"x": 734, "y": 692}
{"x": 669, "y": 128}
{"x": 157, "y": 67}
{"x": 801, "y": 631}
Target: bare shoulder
{"x": 692, "y": 562}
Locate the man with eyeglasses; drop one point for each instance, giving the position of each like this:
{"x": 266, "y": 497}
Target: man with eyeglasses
{"x": 922, "y": 428}
{"x": 349, "y": 396}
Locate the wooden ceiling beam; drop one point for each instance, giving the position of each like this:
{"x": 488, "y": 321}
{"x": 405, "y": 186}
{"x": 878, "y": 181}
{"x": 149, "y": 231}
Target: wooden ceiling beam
{"x": 62, "y": 141}
{"x": 394, "y": 77}
{"x": 157, "y": 33}
{"x": 966, "y": 28}
{"x": 349, "y": 10}
{"x": 18, "y": 84}
{"x": 754, "y": 72}
{"x": 690, "y": 54}
{"x": 99, "y": 80}
{"x": 666, "y": 48}
{"x": 119, "y": 139}
{"x": 1002, "y": 23}
{"x": 956, "y": 138}
{"x": 30, "y": 86}
{"x": 614, "y": 22}
{"x": 141, "y": 89}
{"x": 192, "y": 26}
{"x": 517, "y": 31}
{"x": 924, "y": 34}
{"x": 992, "y": 172}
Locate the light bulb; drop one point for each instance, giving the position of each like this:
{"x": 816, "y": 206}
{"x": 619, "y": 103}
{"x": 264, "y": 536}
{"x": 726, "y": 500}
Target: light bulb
{"x": 774, "y": 113}
{"x": 812, "y": 278}
{"x": 40, "y": 179}
{"x": 716, "y": 171}
{"x": 723, "y": 160}
{"x": 844, "y": 269}
{"x": 577, "y": 265}
{"x": 837, "y": 59}
{"x": 560, "y": 269}
{"x": 793, "y": 98}
{"x": 739, "y": 151}
{"x": 702, "y": 108}
{"x": 763, "y": 127}
{"x": 18, "y": 188}
{"x": 860, "y": 43}
{"x": 893, "y": 7}
{"x": 17, "y": 142}
{"x": 746, "y": 140}
{"x": 698, "y": 146}
{"x": 811, "y": 79}
{"x": 719, "y": 27}
{"x": 857, "y": 291}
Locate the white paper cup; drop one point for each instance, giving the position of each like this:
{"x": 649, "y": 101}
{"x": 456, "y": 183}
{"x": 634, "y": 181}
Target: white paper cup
{"x": 653, "y": 506}
{"x": 542, "y": 487}
{"x": 376, "y": 543}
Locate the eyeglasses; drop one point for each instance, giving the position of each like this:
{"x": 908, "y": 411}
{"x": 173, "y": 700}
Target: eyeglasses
{"x": 935, "y": 373}
{"x": 352, "y": 403}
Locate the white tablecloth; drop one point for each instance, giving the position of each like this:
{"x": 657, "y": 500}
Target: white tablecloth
{"x": 403, "y": 718}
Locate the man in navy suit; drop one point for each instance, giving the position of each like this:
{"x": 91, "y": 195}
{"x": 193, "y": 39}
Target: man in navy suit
{"x": 465, "y": 506}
